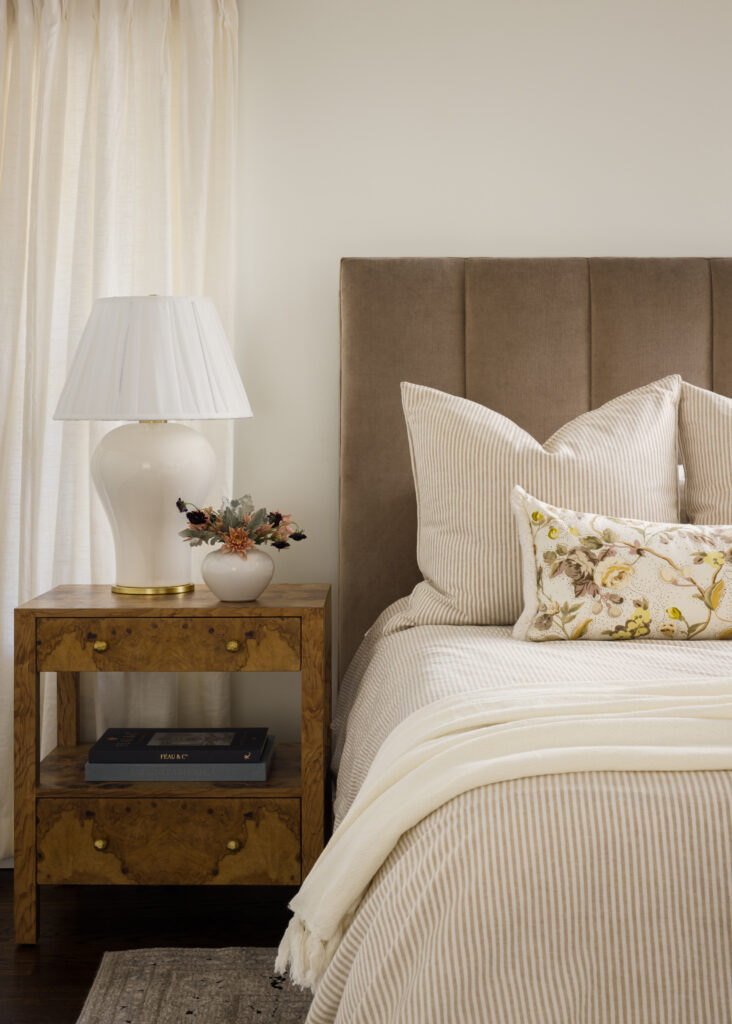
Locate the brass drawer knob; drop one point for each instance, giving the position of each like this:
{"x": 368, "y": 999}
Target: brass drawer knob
{"x": 232, "y": 645}
{"x": 101, "y": 844}
{"x": 100, "y": 645}
{"x": 233, "y": 845}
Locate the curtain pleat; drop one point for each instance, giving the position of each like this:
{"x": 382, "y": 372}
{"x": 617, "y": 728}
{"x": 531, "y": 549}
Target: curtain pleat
{"x": 117, "y": 161}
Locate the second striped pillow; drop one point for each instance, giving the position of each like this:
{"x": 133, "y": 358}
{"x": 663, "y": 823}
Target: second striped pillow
{"x": 466, "y": 459}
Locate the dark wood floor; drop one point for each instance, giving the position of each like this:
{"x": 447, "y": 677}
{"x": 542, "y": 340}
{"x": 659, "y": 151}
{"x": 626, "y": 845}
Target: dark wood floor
{"x": 47, "y": 983}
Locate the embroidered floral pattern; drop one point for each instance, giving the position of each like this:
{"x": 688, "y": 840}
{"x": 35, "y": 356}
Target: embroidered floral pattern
{"x": 623, "y": 579}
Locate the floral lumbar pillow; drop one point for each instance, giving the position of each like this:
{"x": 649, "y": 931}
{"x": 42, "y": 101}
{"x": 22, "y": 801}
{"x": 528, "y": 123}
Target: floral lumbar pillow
{"x": 595, "y": 577}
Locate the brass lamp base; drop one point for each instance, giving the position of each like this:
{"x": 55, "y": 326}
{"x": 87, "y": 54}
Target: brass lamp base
{"x": 183, "y": 588}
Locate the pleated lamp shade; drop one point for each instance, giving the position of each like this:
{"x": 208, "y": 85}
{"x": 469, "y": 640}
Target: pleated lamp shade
{"x": 156, "y": 357}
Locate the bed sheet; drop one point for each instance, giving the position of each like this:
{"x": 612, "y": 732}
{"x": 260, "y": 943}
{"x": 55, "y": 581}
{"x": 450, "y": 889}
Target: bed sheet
{"x": 592, "y": 897}
{"x": 393, "y": 675}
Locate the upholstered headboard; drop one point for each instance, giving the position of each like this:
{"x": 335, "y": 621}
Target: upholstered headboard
{"x": 539, "y": 340}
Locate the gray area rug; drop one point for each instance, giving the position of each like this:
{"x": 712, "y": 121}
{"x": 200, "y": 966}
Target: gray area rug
{"x": 192, "y": 986}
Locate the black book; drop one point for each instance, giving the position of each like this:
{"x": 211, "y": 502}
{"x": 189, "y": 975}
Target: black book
{"x": 175, "y": 746}
{"x": 183, "y": 771}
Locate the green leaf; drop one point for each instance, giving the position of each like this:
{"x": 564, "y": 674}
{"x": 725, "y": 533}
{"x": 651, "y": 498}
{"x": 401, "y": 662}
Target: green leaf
{"x": 258, "y": 519}
{"x": 198, "y": 537}
{"x": 695, "y": 628}
{"x": 230, "y": 519}
{"x": 592, "y": 542}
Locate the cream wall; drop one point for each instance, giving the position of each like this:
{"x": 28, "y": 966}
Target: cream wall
{"x": 452, "y": 128}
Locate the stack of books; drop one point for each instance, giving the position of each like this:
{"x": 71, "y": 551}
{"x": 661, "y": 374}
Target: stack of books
{"x": 181, "y": 755}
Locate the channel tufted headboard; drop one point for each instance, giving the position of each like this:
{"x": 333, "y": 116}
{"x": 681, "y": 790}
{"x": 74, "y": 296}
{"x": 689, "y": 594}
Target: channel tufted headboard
{"x": 539, "y": 340}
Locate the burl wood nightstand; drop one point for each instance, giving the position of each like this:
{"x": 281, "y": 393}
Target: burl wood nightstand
{"x": 71, "y": 831}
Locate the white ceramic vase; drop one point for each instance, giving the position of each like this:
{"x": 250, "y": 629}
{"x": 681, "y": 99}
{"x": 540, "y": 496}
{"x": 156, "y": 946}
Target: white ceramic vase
{"x": 233, "y": 578}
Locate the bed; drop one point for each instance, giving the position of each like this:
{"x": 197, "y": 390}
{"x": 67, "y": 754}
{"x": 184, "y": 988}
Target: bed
{"x": 586, "y": 896}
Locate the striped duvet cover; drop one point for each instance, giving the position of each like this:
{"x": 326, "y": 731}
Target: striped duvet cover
{"x": 591, "y": 897}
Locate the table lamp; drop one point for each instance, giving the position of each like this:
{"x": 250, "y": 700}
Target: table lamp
{"x": 152, "y": 359}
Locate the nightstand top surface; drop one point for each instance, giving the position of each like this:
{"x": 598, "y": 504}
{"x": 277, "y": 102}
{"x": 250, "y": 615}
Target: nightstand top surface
{"x": 94, "y": 599}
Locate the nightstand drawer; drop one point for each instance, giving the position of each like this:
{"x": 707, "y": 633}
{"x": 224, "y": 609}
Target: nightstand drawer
{"x": 245, "y": 644}
{"x": 169, "y": 841}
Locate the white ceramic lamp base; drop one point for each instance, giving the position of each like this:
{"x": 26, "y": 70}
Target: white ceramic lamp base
{"x": 140, "y": 470}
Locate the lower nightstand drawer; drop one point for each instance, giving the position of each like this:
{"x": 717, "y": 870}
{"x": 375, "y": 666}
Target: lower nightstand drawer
{"x": 169, "y": 841}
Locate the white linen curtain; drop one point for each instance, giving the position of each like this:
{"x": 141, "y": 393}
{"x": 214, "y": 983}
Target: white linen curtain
{"x": 117, "y": 152}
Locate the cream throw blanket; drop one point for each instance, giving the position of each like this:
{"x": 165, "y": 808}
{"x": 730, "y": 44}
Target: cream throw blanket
{"x": 474, "y": 739}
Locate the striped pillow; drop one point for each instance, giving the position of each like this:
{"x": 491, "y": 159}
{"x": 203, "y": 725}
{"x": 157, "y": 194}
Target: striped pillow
{"x": 466, "y": 459}
{"x": 705, "y": 437}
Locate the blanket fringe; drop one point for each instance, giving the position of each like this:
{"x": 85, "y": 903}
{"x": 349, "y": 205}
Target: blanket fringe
{"x": 304, "y": 954}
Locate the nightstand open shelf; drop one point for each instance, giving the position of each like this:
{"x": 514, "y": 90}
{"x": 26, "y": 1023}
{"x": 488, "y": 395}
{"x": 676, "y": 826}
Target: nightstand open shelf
{"x": 62, "y": 774}
{"x": 70, "y": 831}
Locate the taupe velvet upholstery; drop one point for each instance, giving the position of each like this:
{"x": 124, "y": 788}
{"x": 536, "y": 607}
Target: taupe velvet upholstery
{"x": 539, "y": 340}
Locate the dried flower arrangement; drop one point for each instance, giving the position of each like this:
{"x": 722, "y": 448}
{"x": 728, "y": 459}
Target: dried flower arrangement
{"x": 237, "y": 526}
